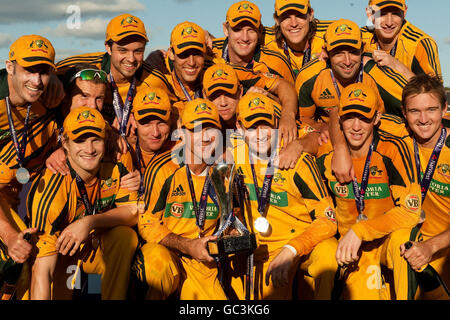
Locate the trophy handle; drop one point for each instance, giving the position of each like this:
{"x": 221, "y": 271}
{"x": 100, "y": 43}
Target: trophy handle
{"x": 222, "y": 177}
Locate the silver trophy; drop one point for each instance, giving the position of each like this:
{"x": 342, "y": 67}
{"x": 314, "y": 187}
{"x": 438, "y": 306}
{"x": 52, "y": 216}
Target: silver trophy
{"x": 223, "y": 180}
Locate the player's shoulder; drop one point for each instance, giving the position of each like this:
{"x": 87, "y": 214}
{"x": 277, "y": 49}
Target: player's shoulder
{"x": 95, "y": 58}
{"x": 165, "y": 163}
{"x": 322, "y": 26}
{"x": 311, "y": 70}
{"x": 219, "y": 43}
{"x": 412, "y": 33}
{"x": 274, "y": 55}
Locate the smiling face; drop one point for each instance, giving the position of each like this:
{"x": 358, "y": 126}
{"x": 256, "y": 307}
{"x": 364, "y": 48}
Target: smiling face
{"x": 153, "y": 132}
{"x": 388, "y": 23}
{"x": 259, "y": 138}
{"x": 345, "y": 63}
{"x": 127, "y": 56}
{"x": 202, "y": 144}
{"x": 87, "y": 93}
{"x": 26, "y": 85}
{"x": 295, "y": 27}
{"x": 226, "y": 103}
{"x": 85, "y": 153}
{"x": 188, "y": 65}
{"x": 242, "y": 41}
{"x": 424, "y": 114}
{"x": 358, "y": 131}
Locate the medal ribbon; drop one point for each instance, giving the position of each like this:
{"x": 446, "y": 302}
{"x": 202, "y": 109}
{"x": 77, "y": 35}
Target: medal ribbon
{"x": 226, "y": 57}
{"x": 431, "y": 167}
{"x": 123, "y": 111}
{"x": 393, "y": 51}
{"x": 197, "y": 94}
{"x": 360, "y": 192}
{"x": 306, "y": 54}
{"x": 360, "y": 79}
{"x": 200, "y": 209}
{"x": 19, "y": 146}
{"x": 263, "y": 197}
{"x": 90, "y": 209}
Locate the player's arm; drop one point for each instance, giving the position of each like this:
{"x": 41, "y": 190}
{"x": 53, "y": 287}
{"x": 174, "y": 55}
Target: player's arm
{"x": 42, "y": 277}
{"x": 194, "y": 248}
{"x": 405, "y": 191}
{"x": 309, "y": 185}
{"x": 426, "y": 58}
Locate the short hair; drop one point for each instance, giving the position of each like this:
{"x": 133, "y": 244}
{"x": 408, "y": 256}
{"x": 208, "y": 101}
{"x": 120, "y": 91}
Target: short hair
{"x": 425, "y": 83}
{"x": 70, "y": 85}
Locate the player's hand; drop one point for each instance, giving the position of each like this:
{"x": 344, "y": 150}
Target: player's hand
{"x": 73, "y": 236}
{"x": 418, "y": 255}
{"x": 324, "y": 136}
{"x": 131, "y": 181}
{"x": 56, "y": 162}
{"x": 342, "y": 166}
{"x": 383, "y": 59}
{"x": 289, "y": 155}
{"x": 287, "y": 128}
{"x": 53, "y": 94}
{"x": 279, "y": 268}
{"x": 19, "y": 249}
{"x": 196, "y": 248}
{"x": 347, "y": 251}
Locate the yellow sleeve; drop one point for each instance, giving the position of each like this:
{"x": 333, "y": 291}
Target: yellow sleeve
{"x": 156, "y": 184}
{"x": 124, "y": 196}
{"x": 426, "y": 58}
{"x": 319, "y": 204}
{"x": 405, "y": 191}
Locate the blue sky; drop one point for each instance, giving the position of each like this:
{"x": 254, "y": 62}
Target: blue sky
{"x": 55, "y": 19}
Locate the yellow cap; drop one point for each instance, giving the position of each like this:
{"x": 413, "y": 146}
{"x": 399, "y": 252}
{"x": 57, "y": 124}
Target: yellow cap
{"x": 151, "y": 102}
{"x": 359, "y": 98}
{"x": 282, "y": 6}
{"x": 381, "y": 4}
{"x": 200, "y": 112}
{"x": 84, "y": 120}
{"x": 244, "y": 11}
{"x": 254, "y": 107}
{"x": 123, "y": 26}
{"x": 188, "y": 35}
{"x": 32, "y": 50}
{"x": 343, "y": 33}
{"x": 220, "y": 76}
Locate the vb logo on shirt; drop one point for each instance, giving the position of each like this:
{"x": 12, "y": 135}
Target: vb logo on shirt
{"x": 412, "y": 202}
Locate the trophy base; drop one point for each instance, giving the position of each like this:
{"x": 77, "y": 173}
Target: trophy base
{"x": 232, "y": 244}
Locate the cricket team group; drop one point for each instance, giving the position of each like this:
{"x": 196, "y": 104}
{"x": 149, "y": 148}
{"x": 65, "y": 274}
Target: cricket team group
{"x": 319, "y": 150}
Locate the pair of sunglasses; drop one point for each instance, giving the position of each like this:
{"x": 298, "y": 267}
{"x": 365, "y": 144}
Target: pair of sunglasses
{"x": 91, "y": 74}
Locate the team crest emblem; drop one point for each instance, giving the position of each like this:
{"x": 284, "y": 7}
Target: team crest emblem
{"x": 220, "y": 75}
{"x": 245, "y": 7}
{"x": 278, "y": 179}
{"x": 203, "y": 108}
{"x": 129, "y": 21}
{"x": 343, "y": 29}
{"x": 189, "y": 32}
{"x": 374, "y": 172}
{"x": 358, "y": 95}
{"x": 256, "y": 103}
{"x": 108, "y": 183}
{"x": 38, "y": 45}
{"x": 151, "y": 98}
{"x": 444, "y": 169}
{"x": 86, "y": 116}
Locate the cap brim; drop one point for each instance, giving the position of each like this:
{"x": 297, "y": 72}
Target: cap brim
{"x": 234, "y": 22}
{"x": 389, "y": 3}
{"x": 149, "y": 112}
{"x": 202, "y": 122}
{"x": 125, "y": 34}
{"x": 227, "y": 87}
{"x": 357, "y": 44}
{"x": 75, "y": 134}
{"x": 365, "y": 111}
{"x": 293, "y": 6}
{"x": 182, "y": 47}
{"x": 250, "y": 120}
{"x": 34, "y": 61}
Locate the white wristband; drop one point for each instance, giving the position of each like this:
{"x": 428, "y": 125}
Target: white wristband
{"x": 294, "y": 251}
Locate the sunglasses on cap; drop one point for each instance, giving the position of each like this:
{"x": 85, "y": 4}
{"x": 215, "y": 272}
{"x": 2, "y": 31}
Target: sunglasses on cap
{"x": 91, "y": 74}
